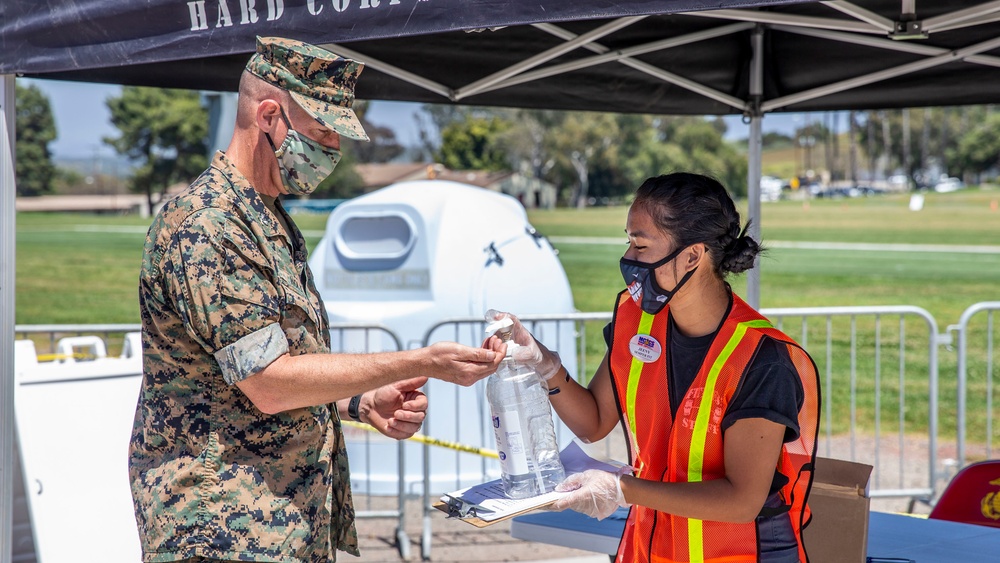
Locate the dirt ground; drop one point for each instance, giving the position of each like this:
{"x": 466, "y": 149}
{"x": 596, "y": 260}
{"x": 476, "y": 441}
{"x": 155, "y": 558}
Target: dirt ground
{"x": 451, "y": 540}
{"x": 902, "y": 465}
{"x": 455, "y": 541}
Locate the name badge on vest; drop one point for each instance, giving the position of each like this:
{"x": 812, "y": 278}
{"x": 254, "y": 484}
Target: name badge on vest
{"x": 645, "y": 348}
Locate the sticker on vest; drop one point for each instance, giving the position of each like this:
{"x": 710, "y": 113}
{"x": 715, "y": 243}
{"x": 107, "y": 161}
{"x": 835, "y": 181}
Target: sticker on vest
{"x": 645, "y": 348}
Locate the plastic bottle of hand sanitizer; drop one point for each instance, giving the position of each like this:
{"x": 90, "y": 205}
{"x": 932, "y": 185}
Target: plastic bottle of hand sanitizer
{"x": 522, "y": 422}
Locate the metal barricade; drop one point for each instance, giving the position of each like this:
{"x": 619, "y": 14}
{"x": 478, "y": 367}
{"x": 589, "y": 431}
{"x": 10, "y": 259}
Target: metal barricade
{"x": 367, "y": 338}
{"x": 879, "y": 389}
{"x": 49, "y": 335}
{"x": 975, "y": 380}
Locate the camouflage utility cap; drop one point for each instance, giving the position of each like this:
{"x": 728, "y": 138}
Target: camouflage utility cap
{"x": 318, "y": 80}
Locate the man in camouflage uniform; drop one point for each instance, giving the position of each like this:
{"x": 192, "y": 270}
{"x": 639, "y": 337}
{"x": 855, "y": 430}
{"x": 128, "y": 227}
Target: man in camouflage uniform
{"x": 237, "y": 451}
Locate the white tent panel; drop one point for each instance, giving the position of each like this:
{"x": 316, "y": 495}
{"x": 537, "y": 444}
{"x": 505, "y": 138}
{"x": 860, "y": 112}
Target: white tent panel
{"x": 74, "y": 422}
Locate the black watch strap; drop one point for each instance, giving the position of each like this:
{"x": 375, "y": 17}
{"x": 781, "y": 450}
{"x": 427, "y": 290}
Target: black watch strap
{"x": 352, "y": 408}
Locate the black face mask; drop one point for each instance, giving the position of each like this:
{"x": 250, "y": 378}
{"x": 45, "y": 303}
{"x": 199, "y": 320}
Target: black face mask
{"x": 640, "y": 278}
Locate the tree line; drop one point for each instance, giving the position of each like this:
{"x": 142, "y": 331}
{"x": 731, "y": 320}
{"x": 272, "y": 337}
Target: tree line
{"x": 590, "y": 156}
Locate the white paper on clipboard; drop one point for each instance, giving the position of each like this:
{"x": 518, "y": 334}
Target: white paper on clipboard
{"x": 492, "y": 504}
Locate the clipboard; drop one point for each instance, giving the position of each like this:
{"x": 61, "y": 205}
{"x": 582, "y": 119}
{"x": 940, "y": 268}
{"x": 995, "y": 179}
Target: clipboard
{"x": 486, "y": 504}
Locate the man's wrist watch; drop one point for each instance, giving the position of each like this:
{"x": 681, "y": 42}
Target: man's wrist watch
{"x": 352, "y": 407}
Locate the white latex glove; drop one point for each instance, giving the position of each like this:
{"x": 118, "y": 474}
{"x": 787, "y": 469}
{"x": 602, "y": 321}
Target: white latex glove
{"x": 595, "y": 493}
{"x": 529, "y": 351}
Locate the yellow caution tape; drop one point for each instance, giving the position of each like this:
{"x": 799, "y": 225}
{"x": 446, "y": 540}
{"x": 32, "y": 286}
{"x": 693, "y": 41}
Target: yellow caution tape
{"x": 485, "y": 452}
{"x": 54, "y": 357}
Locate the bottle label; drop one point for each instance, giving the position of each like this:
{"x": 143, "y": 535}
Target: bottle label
{"x": 510, "y": 443}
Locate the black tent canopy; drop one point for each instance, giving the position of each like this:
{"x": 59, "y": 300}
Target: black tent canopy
{"x": 745, "y": 57}
{"x": 665, "y": 57}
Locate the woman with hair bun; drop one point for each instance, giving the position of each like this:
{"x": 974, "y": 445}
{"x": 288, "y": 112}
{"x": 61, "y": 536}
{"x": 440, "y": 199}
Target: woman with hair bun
{"x": 720, "y": 409}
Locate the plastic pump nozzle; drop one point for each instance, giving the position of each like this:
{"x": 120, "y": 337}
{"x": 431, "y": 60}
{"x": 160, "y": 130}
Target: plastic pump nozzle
{"x": 505, "y": 327}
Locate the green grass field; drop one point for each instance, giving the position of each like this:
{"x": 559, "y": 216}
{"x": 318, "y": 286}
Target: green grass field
{"x": 84, "y": 269}
{"x": 943, "y": 282}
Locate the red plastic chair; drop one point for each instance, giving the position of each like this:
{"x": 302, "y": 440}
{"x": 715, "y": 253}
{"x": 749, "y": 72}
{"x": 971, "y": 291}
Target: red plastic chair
{"x": 972, "y": 496}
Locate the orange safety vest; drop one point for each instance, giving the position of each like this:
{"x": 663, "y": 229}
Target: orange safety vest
{"x": 690, "y": 448}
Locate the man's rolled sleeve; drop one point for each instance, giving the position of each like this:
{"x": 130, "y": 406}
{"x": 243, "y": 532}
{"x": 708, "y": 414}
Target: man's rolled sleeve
{"x": 252, "y": 353}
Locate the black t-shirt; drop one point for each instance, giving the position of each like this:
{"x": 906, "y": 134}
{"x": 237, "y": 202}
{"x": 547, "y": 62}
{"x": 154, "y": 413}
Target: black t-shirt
{"x": 771, "y": 388}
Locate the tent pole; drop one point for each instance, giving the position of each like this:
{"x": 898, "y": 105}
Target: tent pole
{"x": 7, "y": 231}
{"x": 789, "y": 19}
{"x": 650, "y": 69}
{"x": 753, "y": 204}
{"x": 606, "y": 55}
{"x": 859, "y": 81}
{"x": 555, "y": 52}
{"x": 863, "y": 14}
{"x": 888, "y": 44}
{"x": 754, "y": 157}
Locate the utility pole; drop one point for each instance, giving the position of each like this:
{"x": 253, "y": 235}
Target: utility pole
{"x": 852, "y": 139}
{"x": 907, "y": 161}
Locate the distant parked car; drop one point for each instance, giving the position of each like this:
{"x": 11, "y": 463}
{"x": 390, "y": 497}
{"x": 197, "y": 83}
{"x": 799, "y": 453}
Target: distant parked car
{"x": 946, "y": 184}
{"x": 898, "y": 182}
{"x": 838, "y": 193}
{"x": 866, "y": 190}
{"x": 770, "y": 188}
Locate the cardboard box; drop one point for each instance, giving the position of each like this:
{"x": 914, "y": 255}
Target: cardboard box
{"x": 839, "y": 501}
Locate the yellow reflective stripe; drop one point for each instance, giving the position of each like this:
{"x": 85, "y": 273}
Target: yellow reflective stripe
{"x": 634, "y": 372}
{"x": 696, "y": 455}
{"x": 696, "y": 541}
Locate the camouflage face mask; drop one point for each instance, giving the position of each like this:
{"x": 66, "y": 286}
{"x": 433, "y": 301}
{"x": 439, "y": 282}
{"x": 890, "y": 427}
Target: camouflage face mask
{"x": 304, "y": 163}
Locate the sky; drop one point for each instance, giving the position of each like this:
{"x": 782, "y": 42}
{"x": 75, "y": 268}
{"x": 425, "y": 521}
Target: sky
{"x": 82, "y": 118}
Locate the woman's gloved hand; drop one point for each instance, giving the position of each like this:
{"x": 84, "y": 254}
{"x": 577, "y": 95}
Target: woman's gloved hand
{"x": 594, "y": 492}
{"x": 529, "y": 351}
